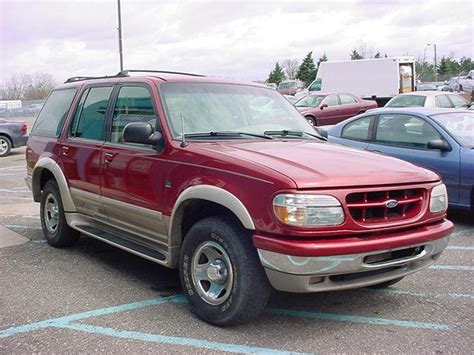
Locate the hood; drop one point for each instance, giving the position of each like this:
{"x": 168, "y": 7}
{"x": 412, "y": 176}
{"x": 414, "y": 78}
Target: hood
{"x": 313, "y": 164}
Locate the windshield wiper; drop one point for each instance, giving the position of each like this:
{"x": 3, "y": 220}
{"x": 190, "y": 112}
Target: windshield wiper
{"x": 226, "y": 134}
{"x": 298, "y": 134}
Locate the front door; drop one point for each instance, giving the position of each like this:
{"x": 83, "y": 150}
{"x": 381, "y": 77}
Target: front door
{"x": 133, "y": 176}
{"x": 330, "y": 114}
{"x": 406, "y": 137}
{"x": 81, "y": 151}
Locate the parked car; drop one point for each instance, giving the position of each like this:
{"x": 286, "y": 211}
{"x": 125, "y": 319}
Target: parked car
{"x": 12, "y": 135}
{"x": 429, "y": 99}
{"x": 330, "y": 108}
{"x": 438, "y": 139}
{"x": 466, "y": 84}
{"x": 290, "y": 87}
{"x": 453, "y": 84}
{"x": 180, "y": 170}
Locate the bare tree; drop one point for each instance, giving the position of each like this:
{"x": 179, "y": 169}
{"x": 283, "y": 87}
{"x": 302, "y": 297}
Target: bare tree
{"x": 15, "y": 88}
{"x": 27, "y": 87}
{"x": 40, "y": 86}
{"x": 290, "y": 66}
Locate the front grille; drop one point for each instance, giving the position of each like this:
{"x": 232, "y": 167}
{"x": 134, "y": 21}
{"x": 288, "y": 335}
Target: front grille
{"x": 371, "y": 207}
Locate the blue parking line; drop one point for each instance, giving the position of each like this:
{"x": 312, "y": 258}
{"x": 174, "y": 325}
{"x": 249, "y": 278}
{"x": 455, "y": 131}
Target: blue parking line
{"x": 455, "y": 247}
{"x": 419, "y": 294}
{"x": 94, "y": 313}
{"x": 452, "y": 267}
{"x": 172, "y": 340}
{"x": 357, "y": 319}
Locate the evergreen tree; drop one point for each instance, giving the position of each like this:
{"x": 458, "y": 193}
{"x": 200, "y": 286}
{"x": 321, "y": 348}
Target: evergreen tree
{"x": 276, "y": 75}
{"x": 377, "y": 55}
{"x": 307, "y": 70}
{"x": 356, "y": 55}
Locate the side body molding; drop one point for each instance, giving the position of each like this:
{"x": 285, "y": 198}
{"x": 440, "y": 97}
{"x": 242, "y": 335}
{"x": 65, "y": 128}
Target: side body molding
{"x": 49, "y": 164}
{"x": 208, "y": 193}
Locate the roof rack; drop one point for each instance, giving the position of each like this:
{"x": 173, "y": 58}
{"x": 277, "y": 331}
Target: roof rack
{"x": 81, "y": 78}
{"x": 125, "y": 72}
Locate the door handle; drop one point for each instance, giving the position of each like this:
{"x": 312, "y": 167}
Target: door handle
{"x": 64, "y": 150}
{"x": 109, "y": 157}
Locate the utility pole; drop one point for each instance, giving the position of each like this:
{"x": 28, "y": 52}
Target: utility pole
{"x": 435, "y": 61}
{"x": 120, "y": 35}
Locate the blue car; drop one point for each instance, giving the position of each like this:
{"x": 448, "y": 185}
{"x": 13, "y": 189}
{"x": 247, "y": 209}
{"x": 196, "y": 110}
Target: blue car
{"x": 441, "y": 140}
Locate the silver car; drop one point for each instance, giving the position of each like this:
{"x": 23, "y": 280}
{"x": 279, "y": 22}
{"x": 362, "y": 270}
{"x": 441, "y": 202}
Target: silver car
{"x": 429, "y": 99}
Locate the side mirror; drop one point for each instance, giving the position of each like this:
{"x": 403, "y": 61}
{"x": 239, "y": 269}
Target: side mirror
{"x": 323, "y": 106}
{"x": 141, "y": 133}
{"x": 439, "y": 144}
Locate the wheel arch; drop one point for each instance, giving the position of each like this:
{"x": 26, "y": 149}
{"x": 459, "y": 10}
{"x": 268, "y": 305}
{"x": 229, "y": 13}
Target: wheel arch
{"x": 45, "y": 169}
{"x": 217, "y": 202}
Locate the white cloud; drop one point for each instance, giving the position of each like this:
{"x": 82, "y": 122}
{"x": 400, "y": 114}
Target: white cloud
{"x": 240, "y": 39}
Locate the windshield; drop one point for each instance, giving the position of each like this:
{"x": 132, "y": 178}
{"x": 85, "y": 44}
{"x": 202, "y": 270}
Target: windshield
{"x": 215, "y": 107}
{"x": 288, "y": 85}
{"x": 407, "y": 101}
{"x": 310, "y": 101}
{"x": 459, "y": 124}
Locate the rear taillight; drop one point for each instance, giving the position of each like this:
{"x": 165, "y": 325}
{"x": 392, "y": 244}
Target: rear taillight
{"x": 24, "y": 128}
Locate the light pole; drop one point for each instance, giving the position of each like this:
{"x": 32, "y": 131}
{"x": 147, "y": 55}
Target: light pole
{"x": 120, "y": 34}
{"x": 435, "y": 62}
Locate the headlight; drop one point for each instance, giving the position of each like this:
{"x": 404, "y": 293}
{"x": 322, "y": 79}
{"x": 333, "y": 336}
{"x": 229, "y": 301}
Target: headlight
{"x": 439, "y": 199}
{"x": 308, "y": 210}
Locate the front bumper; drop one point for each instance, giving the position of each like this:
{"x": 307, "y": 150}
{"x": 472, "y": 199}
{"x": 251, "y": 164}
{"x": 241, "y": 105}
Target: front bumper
{"x": 292, "y": 273}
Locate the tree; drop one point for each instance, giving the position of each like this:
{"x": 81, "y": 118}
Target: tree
{"x": 377, "y": 55}
{"x": 356, "y": 55}
{"x": 291, "y": 68}
{"x": 276, "y": 75}
{"x": 307, "y": 69}
{"x": 466, "y": 65}
{"x": 28, "y": 87}
{"x": 324, "y": 58}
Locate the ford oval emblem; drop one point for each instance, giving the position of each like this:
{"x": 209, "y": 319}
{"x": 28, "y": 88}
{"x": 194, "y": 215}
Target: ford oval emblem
{"x": 391, "y": 203}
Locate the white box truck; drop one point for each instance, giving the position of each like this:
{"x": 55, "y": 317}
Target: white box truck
{"x": 379, "y": 79}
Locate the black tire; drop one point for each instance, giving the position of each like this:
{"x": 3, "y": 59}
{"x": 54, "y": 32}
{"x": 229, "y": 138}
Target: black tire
{"x": 311, "y": 120}
{"x": 5, "y": 146}
{"x": 61, "y": 235}
{"x": 386, "y": 283}
{"x": 249, "y": 289}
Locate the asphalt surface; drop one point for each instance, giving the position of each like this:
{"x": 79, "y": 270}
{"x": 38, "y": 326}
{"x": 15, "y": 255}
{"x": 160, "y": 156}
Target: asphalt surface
{"x": 95, "y": 298}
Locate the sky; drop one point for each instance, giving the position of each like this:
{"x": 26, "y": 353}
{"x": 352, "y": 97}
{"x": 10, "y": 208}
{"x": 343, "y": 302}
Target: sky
{"x": 234, "y": 39}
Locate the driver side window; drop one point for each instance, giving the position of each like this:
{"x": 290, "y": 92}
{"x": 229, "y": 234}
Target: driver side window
{"x": 331, "y": 100}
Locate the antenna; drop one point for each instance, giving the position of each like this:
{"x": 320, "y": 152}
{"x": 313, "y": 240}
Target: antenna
{"x": 183, "y": 136}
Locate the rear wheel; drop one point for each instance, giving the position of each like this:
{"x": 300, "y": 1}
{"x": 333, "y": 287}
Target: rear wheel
{"x": 5, "y": 146}
{"x": 221, "y": 274}
{"x": 311, "y": 120}
{"x": 386, "y": 283}
{"x": 53, "y": 220}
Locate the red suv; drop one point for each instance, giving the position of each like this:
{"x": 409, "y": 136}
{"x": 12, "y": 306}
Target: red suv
{"x": 197, "y": 173}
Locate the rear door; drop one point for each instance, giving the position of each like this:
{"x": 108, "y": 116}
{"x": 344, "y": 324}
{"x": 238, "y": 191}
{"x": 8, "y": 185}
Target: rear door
{"x": 81, "y": 150}
{"x": 349, "y": 106}
{"x": 406, "y": 137}
{"x": 133, "y": 174}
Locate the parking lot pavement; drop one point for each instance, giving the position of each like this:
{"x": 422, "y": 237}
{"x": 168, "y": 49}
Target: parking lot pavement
{"x": 94, "y": 297}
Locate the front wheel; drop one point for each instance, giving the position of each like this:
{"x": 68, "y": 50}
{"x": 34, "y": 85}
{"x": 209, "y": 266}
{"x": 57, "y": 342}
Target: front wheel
{"x": 221, "y": 274}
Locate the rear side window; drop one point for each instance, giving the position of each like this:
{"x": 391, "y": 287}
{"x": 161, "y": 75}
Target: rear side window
{"x": 346, "y": 99}
{"x": 458, "y": 101}
{"x": 358, "y": 129}
{"x": 88, "y": 120}
{"x": 52, "y": 116}
{"x": 443, "y": 101}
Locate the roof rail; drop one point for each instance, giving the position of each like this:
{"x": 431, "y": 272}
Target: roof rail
{"x": 81, "y": 78}
{"x": 126, "y": 72}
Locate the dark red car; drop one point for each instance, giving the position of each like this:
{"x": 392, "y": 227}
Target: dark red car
{"x": 195, "y": 173}
{"x": 322, "y": 109}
